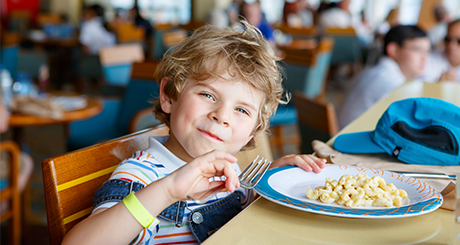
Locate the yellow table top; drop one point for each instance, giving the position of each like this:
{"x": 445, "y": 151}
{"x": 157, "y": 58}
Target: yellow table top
{"x": 265, "y": 222}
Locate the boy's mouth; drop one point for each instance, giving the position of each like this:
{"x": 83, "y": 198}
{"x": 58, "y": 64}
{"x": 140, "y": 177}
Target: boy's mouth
{"x": 210, "y": 135}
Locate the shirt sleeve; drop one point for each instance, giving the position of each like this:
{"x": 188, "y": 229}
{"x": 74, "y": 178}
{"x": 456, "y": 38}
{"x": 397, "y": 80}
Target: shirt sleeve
{"x": 141, "y": 170}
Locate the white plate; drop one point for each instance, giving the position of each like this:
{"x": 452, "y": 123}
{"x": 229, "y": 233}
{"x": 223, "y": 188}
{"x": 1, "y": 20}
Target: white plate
{"x": 70, "y": 103}
{"x": 288, "y": 185}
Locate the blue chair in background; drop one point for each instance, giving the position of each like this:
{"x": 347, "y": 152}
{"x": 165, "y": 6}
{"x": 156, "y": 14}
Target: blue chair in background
{"x": 117, "y": 62}
{"x": 9, "y": 52}
{"x": 30, "y": 61}
{"x": 164, "y": 39}
{"x": 114, "y": 120}
{"x": 306, "y": 71}
{"x": 347, "y": 48}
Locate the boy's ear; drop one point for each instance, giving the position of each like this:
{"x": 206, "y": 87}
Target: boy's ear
{"x": 165, "y": 101}
{"x": 393, "y": 50}
{"x": 249, "y": 139}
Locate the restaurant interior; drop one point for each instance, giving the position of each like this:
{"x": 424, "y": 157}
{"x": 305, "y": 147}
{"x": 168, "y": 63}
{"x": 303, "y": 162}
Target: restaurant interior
{"x": 68, "y": 83}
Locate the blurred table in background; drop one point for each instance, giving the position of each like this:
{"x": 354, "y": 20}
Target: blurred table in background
{"x": 17, "y": 121}
{"x": 93, "y": 108}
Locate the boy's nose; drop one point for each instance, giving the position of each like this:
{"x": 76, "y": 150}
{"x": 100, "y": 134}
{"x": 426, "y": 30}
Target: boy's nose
{"x": 220, "y": 121}
{"x": 220, "y": 116}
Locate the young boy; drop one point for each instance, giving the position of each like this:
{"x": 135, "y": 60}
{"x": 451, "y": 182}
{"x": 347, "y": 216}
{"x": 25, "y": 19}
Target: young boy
{"x": 218, "y": 89}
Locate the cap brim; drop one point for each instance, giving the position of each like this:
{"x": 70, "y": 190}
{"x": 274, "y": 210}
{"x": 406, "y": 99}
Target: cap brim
{"x": 359, "y": 143}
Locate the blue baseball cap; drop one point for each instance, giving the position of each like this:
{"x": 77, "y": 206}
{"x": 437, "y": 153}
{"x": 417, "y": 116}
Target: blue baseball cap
{"x": 416, "y": 131}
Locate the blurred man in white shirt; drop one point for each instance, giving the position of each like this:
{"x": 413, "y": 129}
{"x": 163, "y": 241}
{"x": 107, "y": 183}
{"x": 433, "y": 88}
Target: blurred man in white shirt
{"x": 405, "y": 52}
{"x": 93, "y": 34}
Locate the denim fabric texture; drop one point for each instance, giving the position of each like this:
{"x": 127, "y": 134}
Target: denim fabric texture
{"x": 114, "y": 190}
{"x": 215, "y": 214}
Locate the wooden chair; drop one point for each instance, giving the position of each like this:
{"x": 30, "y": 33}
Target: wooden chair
{"x": 143, "y": 119}
{"x": 347, "y": 48}
{"x": 49, "y": 18}
{"x": 77, "y": 175}
{"x": 297, "y": 33}
{"x": 71, "y": 179}
{"x": 9, "y": 51}
{"x": 165, "y": 38}
{"x": 19, "y": 21}
{"x": 316, "y": 120}
{"x": 12, "y": 194}
{"x": 127, "y": 32}
{"x": 306, "y": 65}
{"x": 114, "y": 120}
{"x": 143, "y": 70}
{"x": 173, "y": 37}
{"x": 117, "y": 62}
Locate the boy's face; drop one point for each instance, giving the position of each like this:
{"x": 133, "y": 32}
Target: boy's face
{"x": 212, "y": 114}
{"x": 412, "y": 56}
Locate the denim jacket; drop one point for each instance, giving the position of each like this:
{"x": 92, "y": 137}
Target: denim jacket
{"x": 204, "y": 221}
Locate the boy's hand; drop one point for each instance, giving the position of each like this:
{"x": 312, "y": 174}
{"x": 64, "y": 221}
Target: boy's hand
{"x": 194, "y": 176}
{"x": 305, "y": 162}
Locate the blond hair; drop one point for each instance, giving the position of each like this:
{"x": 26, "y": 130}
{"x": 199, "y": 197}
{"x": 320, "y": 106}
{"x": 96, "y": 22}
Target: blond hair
{"x": 212, "y": 52}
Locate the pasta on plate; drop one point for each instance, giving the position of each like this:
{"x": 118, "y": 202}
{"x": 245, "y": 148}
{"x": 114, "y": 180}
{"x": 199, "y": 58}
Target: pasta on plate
{"x": 359, "y": 190}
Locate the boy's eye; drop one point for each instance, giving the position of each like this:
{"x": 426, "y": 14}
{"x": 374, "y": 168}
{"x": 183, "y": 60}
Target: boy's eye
{"x": 207, "y": 96}
{"x": 242, "y": 110}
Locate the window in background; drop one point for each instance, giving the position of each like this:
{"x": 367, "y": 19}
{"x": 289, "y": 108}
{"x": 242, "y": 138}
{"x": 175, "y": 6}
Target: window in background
{"x": 171, "y": 11}
{"x": 380, "y": 10}
{"x": 273, "y": 9}
{"x": 453, "y": 6}
{"x": 409, "y": 11}
{"x": 122, "y": 4}
{"x": 160, "y": 11}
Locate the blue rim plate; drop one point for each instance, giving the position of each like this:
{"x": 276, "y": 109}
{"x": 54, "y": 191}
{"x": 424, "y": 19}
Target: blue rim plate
{"x": 288, "y": 185}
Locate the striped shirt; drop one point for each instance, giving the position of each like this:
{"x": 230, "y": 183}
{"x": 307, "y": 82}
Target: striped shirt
{"x": 152, "y": 164}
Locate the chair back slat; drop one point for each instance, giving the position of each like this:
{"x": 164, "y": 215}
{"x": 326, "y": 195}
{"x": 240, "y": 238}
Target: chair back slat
{"x": 121, "y": 54}
{"x": 143, "y": 70}
{"x": 71, "y": 179}
{"x": 317, "y": 120}
{"x": 317, "y": 114}
{"x": 307, "y": 70}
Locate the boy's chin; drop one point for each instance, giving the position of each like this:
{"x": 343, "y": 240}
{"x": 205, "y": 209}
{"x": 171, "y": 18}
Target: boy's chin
{"x": 201, "y": 152}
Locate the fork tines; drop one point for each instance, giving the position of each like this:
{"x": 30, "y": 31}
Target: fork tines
{"x": 254, "y": 172}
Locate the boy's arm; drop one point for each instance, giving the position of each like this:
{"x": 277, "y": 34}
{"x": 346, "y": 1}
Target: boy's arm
{"x": 116, "y": 225}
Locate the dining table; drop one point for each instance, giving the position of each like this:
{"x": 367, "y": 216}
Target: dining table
{"x": 94, "y": 106}
{"x": 266, "y": 222}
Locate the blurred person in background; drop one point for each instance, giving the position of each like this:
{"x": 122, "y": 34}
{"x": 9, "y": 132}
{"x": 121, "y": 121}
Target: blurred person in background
{"x": 405, "y": 53}
{"x": 139, "y": 21}
{"x": 444, "y": 65}
{"x": 226, "y": 17}
{"x": 252, "y": 11}
{"x": 390, "y": 21}
{"x": 337, "y": 15}
{"x": 439, "y": 30}
{"x": 93, "y": 33}
{"x": 298, "y": 14}
{"x": 121, "y": 17}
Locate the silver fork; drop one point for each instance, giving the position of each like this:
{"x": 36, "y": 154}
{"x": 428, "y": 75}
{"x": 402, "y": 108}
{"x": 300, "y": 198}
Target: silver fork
{"x": 248, "y": 179}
